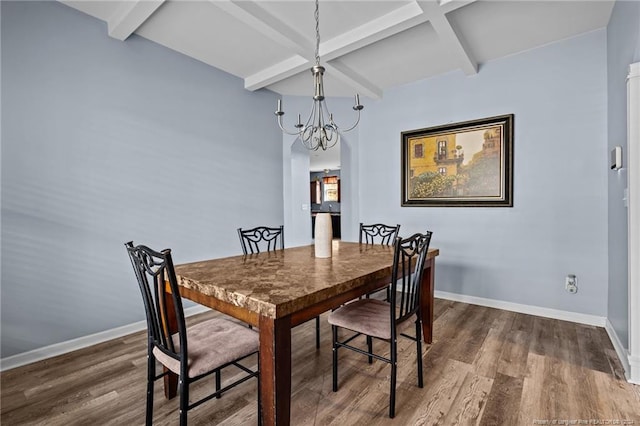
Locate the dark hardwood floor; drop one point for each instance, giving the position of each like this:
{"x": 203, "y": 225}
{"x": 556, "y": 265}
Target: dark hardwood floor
{"x": 485, "y": 366}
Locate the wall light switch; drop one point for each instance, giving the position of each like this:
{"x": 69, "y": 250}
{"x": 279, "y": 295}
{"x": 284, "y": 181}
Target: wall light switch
{"x": 305, "y": 207}
{"x": 616, "y": 158}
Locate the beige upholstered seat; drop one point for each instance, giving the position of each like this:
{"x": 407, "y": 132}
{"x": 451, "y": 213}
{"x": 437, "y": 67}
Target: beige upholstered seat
{"x": 366, "y": 316}
{"x": 212, "y": 344}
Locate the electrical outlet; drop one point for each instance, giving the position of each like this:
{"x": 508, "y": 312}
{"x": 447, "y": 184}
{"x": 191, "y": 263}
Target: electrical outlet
{"x": 571, "y": 284}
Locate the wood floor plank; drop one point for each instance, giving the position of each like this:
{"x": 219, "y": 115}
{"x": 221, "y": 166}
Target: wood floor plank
{"x": 584, "y": 399}
{"x": 532, "y": 391}
{"x": 591, "y": 349}
{"x": 503, "y": 401}
{"x": 555, "y": 396}
{"x": 623, "y": 398}
{"x": 513, "y": 358}
{"x": 441, "y": 393}
{"x": 615, "y": 364}
{"x": 473, "y": 334}
{"x": 470, "y": 402}
{"x": 485, "y": 366}
{"x": 488, "y": 355}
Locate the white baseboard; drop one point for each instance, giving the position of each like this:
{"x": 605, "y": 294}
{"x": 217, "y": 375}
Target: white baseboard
{"x": 622, "y": 353}
{"x": 525, "y": 309}
{"x": 56, "y": 349}
{"x": 633, "y": 375}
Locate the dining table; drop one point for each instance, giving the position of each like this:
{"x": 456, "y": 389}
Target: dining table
{"x": 275, "y": 291}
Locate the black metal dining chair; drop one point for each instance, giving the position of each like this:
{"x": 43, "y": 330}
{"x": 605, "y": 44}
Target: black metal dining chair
{"x": 261, "y": 238}
{"x": 192, "y": 353}
{"x": 381, "y": 319}
{"x": 267, "y": 239}
{"x": 378, "y": 233}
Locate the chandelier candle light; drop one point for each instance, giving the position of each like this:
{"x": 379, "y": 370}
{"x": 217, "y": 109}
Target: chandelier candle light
{"x": 317, "y": 132}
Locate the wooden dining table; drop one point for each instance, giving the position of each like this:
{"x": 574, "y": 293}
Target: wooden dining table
{"x": 276, "y": 291}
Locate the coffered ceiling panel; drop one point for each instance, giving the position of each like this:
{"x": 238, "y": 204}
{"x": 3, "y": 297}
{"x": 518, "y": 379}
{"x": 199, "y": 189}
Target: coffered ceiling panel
{"x": 496, "y": 29}
{"x": 205, "y": 32}
{"x": 415, "y": 52}
{"x": 367, "y": 46}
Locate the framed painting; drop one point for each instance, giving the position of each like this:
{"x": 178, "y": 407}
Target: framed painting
{"x": 468, "y": 164}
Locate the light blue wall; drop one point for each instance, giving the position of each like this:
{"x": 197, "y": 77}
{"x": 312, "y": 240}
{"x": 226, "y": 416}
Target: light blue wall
{"x": 105, "y": 142}
{"x": 558, "y": 224}
{"x": 623, "y": 48}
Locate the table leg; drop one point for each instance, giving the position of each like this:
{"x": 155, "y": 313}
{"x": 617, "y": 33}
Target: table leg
{"x": 275, "y": 370}
{"x": 426, "y": 299}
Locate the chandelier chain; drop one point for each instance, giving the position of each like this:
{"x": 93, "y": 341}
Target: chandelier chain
{"x": 319, "y": 131}
{"x": 317, "y": 16}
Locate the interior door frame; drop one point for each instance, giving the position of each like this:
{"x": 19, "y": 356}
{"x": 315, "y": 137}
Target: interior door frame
{"x": 633, "y": 217}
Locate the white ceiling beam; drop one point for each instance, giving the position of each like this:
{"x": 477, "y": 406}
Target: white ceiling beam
{"x": 453, "y": 41}
{"x": 392, "y": 23}
{"x": 447, "y": 6}
{"x": 278, "y": 72}
{"x": 130, "y": 16}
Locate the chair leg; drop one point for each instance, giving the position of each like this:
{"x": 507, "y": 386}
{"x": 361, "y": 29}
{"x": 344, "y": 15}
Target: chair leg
{"x": 183, "y": 389}
{"x": 370, "y": 348}
{"x": 394, "y": 368}
{"x": 218, "y": 382}
{"x": 334, "y": 332}
{"x": 317, "y": 332}
{"x": 151, "y": 372}
{"x": 419, "y": 352}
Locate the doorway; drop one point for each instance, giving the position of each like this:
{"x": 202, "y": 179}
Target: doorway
{"x": 324, "y": 187}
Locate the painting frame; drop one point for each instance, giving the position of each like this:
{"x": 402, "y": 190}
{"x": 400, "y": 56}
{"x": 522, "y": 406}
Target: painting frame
{"x": 437, "y": 171}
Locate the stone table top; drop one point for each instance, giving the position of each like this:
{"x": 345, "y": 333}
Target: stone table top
{"x": 276, "y": 284}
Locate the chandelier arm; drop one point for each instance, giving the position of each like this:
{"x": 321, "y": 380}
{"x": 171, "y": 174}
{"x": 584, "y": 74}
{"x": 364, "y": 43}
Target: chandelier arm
{"x": 306, "y": 137}
{"x": 312, "y": 128}
{"x": 355, "y": 124}
{"x": 306, "y": 132}
{"x": 288, "y": 132}
{"x": 313, "y": 116}
{"x": 333, "y": 137}
{"x": 331, "y": 131}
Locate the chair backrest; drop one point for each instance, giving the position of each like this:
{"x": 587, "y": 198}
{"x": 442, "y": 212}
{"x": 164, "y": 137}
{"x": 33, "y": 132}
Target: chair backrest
{"x": 409, "y": 255}
{"x": 261, "y": 238}
{"x": 153, "y": 270}
{"x": 378, "y": 233}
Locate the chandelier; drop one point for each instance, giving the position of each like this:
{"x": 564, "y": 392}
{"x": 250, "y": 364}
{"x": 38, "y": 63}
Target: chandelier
{"x": 319, "y": 131}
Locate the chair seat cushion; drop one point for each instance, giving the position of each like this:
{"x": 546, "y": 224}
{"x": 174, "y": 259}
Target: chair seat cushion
{"x": 211, "y": 344}
{"x": 368, "y": 316}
